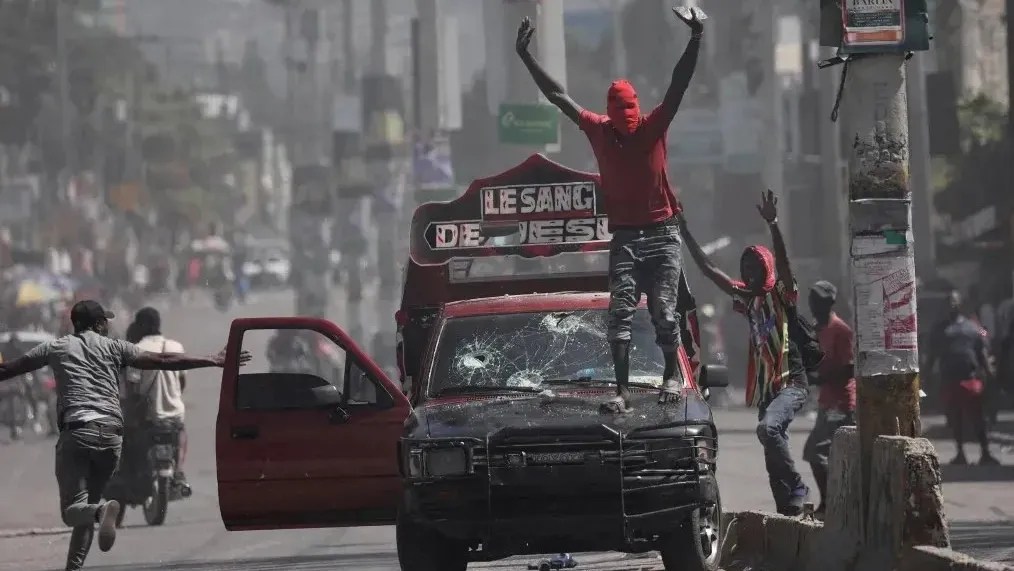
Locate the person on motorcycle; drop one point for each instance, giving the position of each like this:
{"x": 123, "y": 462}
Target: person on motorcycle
{"x": 290, "y": 352}
{"x": 161, "y": 391}
{"x": 86, "y": 364}
{"x": 645, "y": 250}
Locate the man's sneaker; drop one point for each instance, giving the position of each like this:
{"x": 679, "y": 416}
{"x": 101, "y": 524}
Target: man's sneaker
{"x": 108, "y": 514}
{"x": 794, "y": 507}
{"x": 616, "y": 405}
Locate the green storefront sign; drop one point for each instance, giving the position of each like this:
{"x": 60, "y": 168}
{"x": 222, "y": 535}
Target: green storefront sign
{"x": 528, "y": 124}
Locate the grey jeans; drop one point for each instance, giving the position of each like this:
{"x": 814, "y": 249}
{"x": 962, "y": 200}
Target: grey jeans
{"x": 775, "y": 416}
{"x": 85, "y": 459}
{"x": 647, "y": 261}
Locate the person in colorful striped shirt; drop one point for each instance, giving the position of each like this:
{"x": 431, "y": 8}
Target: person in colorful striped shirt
{"x": 776, "y": 379}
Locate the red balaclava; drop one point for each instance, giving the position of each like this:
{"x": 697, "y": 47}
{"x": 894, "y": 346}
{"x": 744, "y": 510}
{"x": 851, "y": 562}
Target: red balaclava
{"x": 767, "y": 261}
{"x": 622, "y": 106}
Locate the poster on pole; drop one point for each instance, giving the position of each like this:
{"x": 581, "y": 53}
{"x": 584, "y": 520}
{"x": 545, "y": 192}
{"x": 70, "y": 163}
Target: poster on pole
{"x": 885, "y": 303}
{"x": 870, "y": 23}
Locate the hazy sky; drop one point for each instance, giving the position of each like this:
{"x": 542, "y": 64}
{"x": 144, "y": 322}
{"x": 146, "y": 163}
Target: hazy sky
{"x": 197, "y": 23}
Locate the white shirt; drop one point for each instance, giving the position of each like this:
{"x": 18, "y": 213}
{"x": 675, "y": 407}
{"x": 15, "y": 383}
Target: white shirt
{"x": 161, "y": 388}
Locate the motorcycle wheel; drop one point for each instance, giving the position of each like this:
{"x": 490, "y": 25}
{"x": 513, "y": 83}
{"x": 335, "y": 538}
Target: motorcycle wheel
{"x": 157, "y": 504}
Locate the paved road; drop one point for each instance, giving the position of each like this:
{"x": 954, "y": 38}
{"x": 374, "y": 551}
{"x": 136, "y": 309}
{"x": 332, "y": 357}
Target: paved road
{"x": 980, "y": 503}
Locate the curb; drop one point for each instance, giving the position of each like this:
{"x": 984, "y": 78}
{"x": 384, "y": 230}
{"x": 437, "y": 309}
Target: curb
{"x": 13, "y": 533}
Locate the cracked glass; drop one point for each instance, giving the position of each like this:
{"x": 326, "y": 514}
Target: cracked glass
{"x": 538, "y": 350}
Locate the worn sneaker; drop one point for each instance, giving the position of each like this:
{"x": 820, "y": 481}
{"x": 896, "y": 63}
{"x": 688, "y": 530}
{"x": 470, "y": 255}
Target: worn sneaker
{"x": 794, "y": 507}
{"x": 108, "y": 514}
{"x": 615, "y": 405}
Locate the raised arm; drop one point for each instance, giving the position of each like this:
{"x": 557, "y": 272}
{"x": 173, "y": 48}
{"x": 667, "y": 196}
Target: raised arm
{"x": 549, "y": 87}
{"x": 710, "y": 270}
{"x": 682, "y": 73}
{"x": 768, "y": 209}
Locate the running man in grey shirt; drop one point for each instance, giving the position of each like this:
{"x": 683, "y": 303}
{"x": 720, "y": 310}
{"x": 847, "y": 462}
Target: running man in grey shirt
{"x": 86, "y": 364}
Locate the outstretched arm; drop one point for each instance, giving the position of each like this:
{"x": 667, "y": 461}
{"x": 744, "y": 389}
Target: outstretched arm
{"x": 710, "y": 270}
{"x": 768, "y": 209}
{"x": 31, "y": 361}
{"x": 549, "y": 87}
{"x": 18, "y": 367}
{"x": 684, "y": 70}
{"x": 179, "y": 362}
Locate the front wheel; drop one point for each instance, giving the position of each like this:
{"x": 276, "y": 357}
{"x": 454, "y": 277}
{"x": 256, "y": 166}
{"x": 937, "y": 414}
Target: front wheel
{"x": 697, "y": 544}
{"x": 421, "y": 549}
{"x": 157, "y": 504}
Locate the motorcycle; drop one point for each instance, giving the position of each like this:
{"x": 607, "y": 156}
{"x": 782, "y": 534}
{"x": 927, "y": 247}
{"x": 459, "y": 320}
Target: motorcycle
{"x": 147, "y": 479}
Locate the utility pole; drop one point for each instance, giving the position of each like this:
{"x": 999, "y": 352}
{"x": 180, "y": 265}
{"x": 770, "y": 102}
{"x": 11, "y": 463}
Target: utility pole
{"x": 882, "y": 255}
{"x": 619, "y": 47}
{"x": 832, "y": 181}
{"x": 921, "y": 169}
{"x": 63, "y": 21}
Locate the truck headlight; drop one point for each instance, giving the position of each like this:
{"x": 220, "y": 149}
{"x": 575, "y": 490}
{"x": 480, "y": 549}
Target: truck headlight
{"x": 446, "y": 462}
{"x": 414, "y": 466}
{"x": 430, "y": 461}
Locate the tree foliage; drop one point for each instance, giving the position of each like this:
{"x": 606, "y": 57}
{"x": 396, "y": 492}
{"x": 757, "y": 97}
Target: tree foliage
{"x": 979, "y": 175}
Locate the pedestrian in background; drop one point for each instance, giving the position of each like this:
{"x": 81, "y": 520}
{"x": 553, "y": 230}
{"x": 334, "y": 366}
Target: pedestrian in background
{"x": 959, "y": 347}
{"x": 836, "y": 403}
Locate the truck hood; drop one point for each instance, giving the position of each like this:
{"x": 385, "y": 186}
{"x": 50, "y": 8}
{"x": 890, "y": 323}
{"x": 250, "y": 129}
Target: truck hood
{"x": 480, "y": 417}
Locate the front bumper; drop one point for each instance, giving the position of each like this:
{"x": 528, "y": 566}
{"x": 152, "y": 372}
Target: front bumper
{"x": 533, "y": 492}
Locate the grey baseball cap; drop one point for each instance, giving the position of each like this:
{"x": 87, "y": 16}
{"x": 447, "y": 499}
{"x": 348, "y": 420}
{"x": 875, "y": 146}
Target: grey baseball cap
{"x": 825, "y": 289}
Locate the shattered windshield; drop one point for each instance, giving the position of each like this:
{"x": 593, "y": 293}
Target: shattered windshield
{"x": 527, "y": 351}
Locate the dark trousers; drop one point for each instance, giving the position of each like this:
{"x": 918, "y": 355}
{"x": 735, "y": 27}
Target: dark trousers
{"x": 85, "y": 459}
{"x": 775, "y": 416}
{"x": 818, "y": 445}
{"x": 647, "y": 261}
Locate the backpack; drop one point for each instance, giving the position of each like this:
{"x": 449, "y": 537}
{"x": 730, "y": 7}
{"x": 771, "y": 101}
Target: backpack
{"x": 804, "y": 335}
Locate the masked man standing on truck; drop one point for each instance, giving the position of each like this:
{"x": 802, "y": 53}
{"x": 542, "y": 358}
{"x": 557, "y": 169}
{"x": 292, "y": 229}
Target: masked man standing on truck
{"x": 646, "y": 251}
{"x": 782, "y": 349}
{"x": 86, "y": 365}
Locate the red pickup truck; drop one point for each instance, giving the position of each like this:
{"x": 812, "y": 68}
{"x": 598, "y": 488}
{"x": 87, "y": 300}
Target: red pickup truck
{"x": 492, "y": 443}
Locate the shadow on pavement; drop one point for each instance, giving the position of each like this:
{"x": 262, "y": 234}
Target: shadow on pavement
{"x": 940, "y": 431}
{"x": 296, "y": 563}
{"x": 991, "y": 540}
{"x": 972, "y": 473}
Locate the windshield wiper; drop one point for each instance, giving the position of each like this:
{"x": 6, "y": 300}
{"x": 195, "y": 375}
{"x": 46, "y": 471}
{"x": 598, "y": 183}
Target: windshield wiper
{"x": 589, "y": 380}
{"x": 465, "y": 389}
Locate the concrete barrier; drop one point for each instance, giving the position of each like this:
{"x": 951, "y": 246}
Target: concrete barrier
{"x": 925, "y": 558}
{"x": 903, "y": 528}
{"x": 906, "y": 501}
{"x": 759, "y": 540}
{"x": 841, "y": 540}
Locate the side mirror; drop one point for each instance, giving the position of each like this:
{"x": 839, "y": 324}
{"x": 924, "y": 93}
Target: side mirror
{"x": 714, "y": 377}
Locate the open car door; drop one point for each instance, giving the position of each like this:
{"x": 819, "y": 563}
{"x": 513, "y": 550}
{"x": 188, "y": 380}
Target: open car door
{"x": 307, "y": 432}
